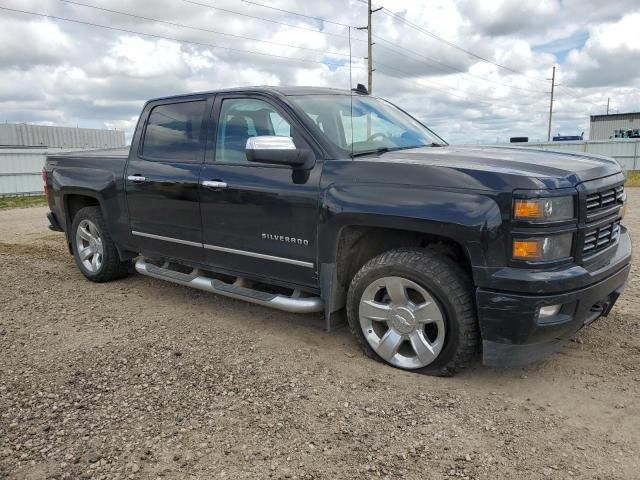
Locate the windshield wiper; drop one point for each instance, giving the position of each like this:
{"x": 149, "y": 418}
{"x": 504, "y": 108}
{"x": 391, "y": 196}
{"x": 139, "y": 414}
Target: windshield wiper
{"x": 376, "y": 151}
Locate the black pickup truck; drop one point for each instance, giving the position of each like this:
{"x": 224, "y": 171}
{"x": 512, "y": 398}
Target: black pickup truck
{"x": 323, "y": 200}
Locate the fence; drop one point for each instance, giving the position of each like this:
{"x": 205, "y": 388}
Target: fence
{"x": 27, "y": 135}
{"x": 20, "y": 166}
{"x": 626, "y": 151}
{"x": 24, "y": 147}
{"x": 20, "y": 169}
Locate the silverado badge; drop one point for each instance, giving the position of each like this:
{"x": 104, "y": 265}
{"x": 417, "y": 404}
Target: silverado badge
{"x": 285, "y": 239}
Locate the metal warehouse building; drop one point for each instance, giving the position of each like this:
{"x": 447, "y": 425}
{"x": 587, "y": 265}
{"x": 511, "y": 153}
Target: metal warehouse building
{"x": 23, "y": 149}
{"x": 603, "y": 126}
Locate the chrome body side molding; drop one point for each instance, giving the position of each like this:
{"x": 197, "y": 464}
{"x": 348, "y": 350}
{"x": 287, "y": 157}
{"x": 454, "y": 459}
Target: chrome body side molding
{"x": 166, "y": 239}
{"x": 263, "y": 256}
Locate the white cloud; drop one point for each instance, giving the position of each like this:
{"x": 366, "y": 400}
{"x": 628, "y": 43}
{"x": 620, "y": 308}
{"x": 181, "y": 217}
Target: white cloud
{"x": 611, "y": 55}
{"x": 65, "y": 73}
{"x": 141, "y": 58}
{"x": 32, "y": 42}
{"x": 505, "y": 17}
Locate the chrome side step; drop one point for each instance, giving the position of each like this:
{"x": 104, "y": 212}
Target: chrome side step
{"x": 234, "y": 290}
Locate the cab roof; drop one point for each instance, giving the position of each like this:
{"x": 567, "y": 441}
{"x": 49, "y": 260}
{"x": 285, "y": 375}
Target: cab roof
{"x": 284, "y": 91}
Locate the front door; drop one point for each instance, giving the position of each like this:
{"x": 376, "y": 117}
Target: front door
{"x": 258, "y": 219}
{"x": 162, "y": 179}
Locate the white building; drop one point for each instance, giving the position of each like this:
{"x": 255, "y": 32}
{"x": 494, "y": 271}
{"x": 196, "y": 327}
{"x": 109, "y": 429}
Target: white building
{"x": 23, "y": 149}
{"x": 603, "y": 126}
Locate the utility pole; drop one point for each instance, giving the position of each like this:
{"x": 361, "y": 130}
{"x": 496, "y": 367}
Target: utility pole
{"x": 608, "y": 105}
{"x": 553, "y": 86}
{"x": 369, "y": 30}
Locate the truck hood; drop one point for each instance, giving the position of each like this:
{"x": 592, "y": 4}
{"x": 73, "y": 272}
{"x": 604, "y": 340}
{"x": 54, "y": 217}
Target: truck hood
{"x": 573, "y": 167}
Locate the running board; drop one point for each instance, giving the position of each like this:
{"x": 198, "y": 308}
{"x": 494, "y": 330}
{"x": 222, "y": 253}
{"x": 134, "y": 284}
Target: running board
{"x": 235, "y": 290}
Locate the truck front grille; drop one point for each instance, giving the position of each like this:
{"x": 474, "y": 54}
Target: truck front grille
{"x": 602, "y": 203}
{"x": 600, "y": 238}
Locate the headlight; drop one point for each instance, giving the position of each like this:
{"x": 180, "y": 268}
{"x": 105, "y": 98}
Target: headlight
{"x": 544, "y": 209}
{"x": 543, "y": 248}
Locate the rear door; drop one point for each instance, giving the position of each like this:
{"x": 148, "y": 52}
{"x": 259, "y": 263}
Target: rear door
{"x": 162, "y": 178}
{"x": 258, "y": 219}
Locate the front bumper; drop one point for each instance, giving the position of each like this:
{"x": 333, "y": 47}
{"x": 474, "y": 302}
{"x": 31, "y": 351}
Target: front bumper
{"x": 514, "y": 336}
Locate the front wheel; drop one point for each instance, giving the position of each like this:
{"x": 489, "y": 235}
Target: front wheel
{"x": 413, "y": 309}
{"x": 93, "y": 249}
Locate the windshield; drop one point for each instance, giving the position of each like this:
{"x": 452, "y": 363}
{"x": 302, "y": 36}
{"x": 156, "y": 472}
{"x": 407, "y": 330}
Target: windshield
{"x": 370, "y": 125}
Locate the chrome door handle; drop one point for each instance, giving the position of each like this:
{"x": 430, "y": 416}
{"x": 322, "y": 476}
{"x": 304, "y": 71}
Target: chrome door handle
{"x": 214, "y": 184}
{"x": 137, "y": 178}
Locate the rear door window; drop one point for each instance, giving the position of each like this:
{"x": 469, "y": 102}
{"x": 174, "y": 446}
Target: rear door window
{"x": 174, "y": 132}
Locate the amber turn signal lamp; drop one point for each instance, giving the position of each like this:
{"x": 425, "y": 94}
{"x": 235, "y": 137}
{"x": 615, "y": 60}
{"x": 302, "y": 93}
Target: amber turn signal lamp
{"x": 527, "y": 249}
{"x": 527, "y": 209}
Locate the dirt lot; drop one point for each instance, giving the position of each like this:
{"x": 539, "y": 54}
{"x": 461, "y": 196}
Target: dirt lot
{"x": 144, "y": 379}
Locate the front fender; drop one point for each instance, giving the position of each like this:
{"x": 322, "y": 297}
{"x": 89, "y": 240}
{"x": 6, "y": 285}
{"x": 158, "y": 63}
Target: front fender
{"x": 470, "y": 219}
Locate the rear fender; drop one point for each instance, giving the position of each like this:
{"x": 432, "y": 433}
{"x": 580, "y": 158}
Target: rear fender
{"x": 101, "y": 185}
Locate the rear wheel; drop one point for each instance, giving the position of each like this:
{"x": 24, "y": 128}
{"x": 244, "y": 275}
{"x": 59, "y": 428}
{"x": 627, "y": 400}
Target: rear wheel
{"x": 413, "y": 309}
{"x": 93, "y": 249}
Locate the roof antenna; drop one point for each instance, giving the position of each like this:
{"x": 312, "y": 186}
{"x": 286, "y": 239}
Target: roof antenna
{"x": 351, "y": 93}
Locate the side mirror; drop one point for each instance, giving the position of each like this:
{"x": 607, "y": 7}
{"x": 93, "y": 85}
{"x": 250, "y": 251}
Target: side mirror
{"x": 276, "y": 150}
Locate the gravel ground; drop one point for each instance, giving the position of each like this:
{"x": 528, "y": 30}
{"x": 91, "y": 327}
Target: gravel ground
{"x": 144, "y": 379}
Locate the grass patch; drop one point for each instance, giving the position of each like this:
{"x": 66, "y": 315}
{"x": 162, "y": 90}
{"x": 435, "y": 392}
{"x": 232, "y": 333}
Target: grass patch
{"x": 22, "y": 202}
{"x": 633, "y": 178}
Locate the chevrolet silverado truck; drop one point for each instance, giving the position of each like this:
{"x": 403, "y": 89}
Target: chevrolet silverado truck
{"x": 321, "y": 200}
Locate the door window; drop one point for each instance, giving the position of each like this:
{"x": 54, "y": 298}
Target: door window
{"x": 173, "y": 132}
{"x": 242, "y": 118}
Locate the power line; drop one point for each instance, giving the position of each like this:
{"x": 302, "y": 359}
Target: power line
{"x": 580, "y": 99}
{"x": 270, "y": 20}
{"x": 191, "y": 42}
{"x": 297, "y": 14}
{"x": 424, "y": 31}
{"x": 174, "y": 24}
{"x": 388, "y": 42}
{"x": 449, "y": 67}
{"x": 387, "y": 12}
{"x": 377, "y": 37}
{"x": 439, "y": 86}
{"x": 186, "y": 41}
{"x": 445, "y": 87}
{"x": 553, "y": 86}
{"x": 451, "y": 44}
{"x": 304, "y": 60}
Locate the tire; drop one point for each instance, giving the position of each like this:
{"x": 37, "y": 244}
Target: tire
{"x": 94, "y": 251}
{"x": 413, "y": 309}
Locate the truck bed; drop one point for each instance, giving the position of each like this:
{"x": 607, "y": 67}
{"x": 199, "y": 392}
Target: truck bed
{"x": 120, "y": 152}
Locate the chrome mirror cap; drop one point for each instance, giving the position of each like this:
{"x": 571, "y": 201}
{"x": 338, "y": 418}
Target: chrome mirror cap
{"x": 270, "y": 142}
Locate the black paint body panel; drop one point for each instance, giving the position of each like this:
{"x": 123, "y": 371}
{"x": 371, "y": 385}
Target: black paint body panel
{"x": 463, "y": 194}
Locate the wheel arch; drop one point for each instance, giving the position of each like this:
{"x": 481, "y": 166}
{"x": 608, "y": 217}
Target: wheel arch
{"x": 75, "y": 200}
{"x": 360, "y": 221}
{"x": 357, "y": 244}
{"x": 72, "y": 203}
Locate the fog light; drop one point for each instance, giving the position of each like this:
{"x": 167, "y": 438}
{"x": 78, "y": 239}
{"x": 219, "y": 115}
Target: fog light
{"x": 548, "y": 311}
{"x": 553, "y": 247}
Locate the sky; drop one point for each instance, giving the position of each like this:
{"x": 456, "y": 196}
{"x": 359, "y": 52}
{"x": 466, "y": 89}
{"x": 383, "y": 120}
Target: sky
{"x": 474, "y": 71}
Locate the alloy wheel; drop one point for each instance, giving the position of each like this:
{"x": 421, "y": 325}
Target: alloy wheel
{"x": 89, "y": 245}
{"x": 402, "y": 322}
